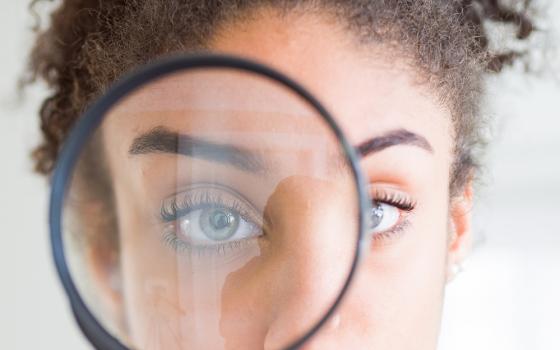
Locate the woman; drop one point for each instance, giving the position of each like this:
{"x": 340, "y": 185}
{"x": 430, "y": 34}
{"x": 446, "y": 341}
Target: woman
{"x": 398, "y": 70}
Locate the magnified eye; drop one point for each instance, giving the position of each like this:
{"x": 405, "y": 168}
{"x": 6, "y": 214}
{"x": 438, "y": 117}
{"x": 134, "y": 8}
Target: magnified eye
{"x": 209, "y": 217}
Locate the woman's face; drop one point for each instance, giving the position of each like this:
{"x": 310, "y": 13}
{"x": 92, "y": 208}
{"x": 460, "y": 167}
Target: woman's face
{"x": 271, "y": 293}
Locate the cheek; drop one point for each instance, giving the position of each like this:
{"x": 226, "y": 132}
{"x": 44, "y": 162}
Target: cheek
{"x": 397, "y": 297}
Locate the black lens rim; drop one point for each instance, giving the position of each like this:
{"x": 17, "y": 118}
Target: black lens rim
{"x": 98, "y": 336}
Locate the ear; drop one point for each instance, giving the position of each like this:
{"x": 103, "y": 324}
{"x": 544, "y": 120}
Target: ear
{"x": 460, "y": 235}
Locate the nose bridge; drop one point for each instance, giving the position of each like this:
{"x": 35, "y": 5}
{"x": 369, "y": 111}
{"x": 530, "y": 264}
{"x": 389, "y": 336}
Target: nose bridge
{"x": 313, "y": 229}
{"x": 313, "y": 222}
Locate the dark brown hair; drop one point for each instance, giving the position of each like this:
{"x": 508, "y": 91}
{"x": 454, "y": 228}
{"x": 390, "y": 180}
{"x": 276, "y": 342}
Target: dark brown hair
{"x": 91, "y": 43}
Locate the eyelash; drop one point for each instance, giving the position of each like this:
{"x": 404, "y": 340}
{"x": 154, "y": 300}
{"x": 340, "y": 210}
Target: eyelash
{"x": 395, "y": 199}
{"x": 175, "y": 243}
{"x": 175, "y": 209}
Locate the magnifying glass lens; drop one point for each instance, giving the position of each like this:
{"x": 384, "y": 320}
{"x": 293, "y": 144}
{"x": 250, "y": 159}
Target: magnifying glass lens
{"x": 213, "y": 208}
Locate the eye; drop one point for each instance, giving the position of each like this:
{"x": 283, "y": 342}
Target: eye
{"x": 211, "y": 217}
{"x": 389, "y": 207}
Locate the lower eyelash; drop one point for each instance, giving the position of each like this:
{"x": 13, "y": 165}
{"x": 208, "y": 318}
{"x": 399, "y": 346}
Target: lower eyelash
{"x": 170, "y": 239}
{"x": 393, "y": 233}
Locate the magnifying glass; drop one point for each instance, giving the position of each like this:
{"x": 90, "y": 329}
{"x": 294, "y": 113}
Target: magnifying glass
{"x": 206, "y": 202}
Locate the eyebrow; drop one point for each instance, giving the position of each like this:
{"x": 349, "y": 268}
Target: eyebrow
{"x": 162, "y": 140}
{"x": 393, "y": 138}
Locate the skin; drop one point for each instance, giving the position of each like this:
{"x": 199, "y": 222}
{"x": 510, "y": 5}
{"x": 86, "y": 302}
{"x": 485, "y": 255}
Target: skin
{"x": 274, "y": 289}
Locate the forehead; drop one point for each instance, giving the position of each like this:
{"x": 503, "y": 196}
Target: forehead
{"x": 368, "y": 91}
{"x": 368, "y": 88}
{"x": 221, "y": 104}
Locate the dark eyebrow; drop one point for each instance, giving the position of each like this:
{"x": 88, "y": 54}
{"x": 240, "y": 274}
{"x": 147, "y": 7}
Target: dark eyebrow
{"x": 393, "y": 138}
{"x": 162, "y": 140}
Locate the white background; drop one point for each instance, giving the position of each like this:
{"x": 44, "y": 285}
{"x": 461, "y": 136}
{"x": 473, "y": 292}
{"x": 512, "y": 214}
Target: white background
{"x": 508, "y": 297}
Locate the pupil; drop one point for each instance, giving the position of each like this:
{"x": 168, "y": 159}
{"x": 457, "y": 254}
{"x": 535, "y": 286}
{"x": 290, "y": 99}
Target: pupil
{"x": 221, "y": 220}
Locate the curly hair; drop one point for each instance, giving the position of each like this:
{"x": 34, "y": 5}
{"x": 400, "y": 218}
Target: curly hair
{"x": 91, "y": 43}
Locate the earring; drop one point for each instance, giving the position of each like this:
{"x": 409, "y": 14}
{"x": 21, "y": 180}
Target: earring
{"x": 455, "y": 270}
